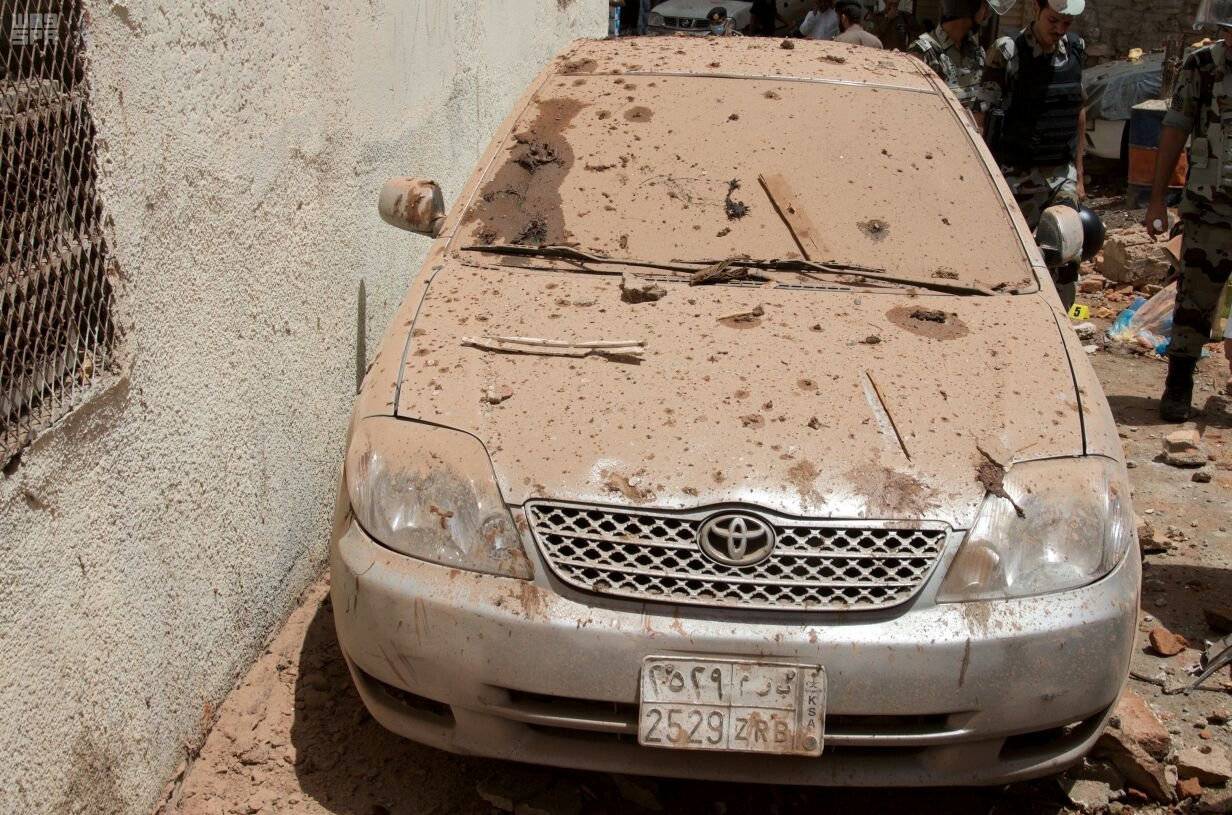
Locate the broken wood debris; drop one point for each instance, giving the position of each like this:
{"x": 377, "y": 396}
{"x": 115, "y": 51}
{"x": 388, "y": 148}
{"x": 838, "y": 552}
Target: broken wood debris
{"x": 615, "y": 349}
{"x": 722, "y": 272}
{"x": 890, "y": 417}
{"x": 746, "y": 316}
{"x": 635, "y": 290}
{"x": 801, "y": 228}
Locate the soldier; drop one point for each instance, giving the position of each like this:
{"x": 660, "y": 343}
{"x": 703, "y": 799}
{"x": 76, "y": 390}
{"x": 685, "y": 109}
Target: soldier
{"x": 892, "y": 27}
{"x": 953, "y": 48}
{"x": 1201, "y": 108}
{"x": 1037, "y": 121}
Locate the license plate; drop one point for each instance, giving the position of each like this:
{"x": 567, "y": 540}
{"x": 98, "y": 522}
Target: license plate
{"x": 738, "y": 706}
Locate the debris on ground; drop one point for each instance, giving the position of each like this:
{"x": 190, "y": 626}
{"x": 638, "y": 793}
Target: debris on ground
{"x": 1140, "y": 769}
{"x": 1166, "y": 643}
{"x": 641, "y": 792}
{"x": 1138, "y": 722}
{"x": 1087, "y": 795}
{"x": 1087, "y": 332}
{"x": 1183, "y": 448}
{"x": 1208, "y": 763}
{"x": 734, "y": 209}
{"x": 1146, "y": 324}
{"x": 638, "y": 290}
{"x": 1092, "y": 283}
{"x": 1219, "y": 618}
{"x": 871, "y": 339}
{"x": 787, "y": 44}
{"x": 1132, "y": 256}
{"x": 1188, "y": 788}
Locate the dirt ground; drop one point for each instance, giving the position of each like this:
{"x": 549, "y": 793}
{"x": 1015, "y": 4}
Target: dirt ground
{"x": 294, "y": 738}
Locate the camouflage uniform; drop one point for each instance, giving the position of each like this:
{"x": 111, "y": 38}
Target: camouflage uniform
{"x": 1039, "y": 187}
{"x": 961, "y": 65}
{"x": 1202, "y": 107}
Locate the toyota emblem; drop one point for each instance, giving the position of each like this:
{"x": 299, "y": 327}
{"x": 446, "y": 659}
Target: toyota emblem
{"x": 736, "y": 539}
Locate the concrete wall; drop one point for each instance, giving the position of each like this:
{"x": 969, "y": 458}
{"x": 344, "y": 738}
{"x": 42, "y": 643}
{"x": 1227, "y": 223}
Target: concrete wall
{"x": 1121, "y": 25}
{"x": 150, "y": 543}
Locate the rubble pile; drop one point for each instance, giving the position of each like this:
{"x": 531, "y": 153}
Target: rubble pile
{"x": 1132, "y": 257}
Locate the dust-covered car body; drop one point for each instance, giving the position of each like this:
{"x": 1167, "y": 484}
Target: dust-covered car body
{"x": 884, "y": 488}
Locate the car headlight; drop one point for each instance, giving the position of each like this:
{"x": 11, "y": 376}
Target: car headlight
{"x": 1069, "y": 523}
{"x": 654, "y": 19}
{"x": 430, "y": 493}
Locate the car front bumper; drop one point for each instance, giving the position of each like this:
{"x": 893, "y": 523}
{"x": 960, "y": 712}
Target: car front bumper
{"x": 936, "y": 694}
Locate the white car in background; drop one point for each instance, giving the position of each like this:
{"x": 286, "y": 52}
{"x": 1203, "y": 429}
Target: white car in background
{"x": 689, "y": 16}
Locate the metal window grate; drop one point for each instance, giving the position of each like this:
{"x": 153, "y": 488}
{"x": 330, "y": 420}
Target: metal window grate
{"x": 55, "y": 272}
{"x": 815, "y": 565}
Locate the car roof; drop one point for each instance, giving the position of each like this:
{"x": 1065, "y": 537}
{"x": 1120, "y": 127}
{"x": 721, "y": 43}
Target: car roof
{"x": 748, "y": 57}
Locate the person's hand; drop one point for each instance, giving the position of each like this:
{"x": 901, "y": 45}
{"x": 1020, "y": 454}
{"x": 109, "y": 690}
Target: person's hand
{"x": 1156, "y": 220}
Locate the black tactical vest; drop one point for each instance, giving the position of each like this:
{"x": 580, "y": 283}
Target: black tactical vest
{"x": 1041, "y": 123}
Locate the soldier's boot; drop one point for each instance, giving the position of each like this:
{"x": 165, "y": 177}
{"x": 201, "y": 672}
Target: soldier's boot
{"x": 1176, "y": 403}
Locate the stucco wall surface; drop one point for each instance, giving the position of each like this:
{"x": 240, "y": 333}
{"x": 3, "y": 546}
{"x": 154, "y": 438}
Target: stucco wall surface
{"x": 151, "y": 543}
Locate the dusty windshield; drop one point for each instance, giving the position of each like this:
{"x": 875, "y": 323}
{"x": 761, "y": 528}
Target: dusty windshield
{"x": 680, "y": 168}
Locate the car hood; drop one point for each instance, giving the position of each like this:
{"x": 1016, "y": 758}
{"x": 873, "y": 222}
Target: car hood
{"x": 830, "y": 404}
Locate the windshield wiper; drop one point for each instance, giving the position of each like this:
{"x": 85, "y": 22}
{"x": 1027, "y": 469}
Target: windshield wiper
{"x": 809, "y": 268}
{"x": 583, "y": 260}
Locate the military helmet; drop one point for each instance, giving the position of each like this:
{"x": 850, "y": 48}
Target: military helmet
{"x": 959, "y": 9}
{"x": 1094, "y": 232}
{"x": 1214, "y": 12}
{"x": 1069, "y": 8}
{"x": 1060, "y": 235}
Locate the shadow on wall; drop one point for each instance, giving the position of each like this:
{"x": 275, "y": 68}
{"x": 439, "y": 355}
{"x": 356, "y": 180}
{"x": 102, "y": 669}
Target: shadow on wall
{"x": 352, "y": 766}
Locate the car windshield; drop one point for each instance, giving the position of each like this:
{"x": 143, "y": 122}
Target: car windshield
{"x": 668, "y": 168}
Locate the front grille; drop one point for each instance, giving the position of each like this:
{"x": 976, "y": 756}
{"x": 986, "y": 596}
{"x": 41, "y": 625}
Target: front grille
{"x": 815, "y": 565}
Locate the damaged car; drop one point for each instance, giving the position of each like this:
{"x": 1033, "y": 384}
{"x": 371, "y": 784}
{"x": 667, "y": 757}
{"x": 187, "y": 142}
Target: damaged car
{"x": 732, "y": 429}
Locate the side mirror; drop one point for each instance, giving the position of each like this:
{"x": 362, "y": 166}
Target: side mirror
{"x": 413, "y": 204}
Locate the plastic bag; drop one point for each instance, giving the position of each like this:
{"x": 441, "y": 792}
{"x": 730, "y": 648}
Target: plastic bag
{"x": 1147, "y": 323}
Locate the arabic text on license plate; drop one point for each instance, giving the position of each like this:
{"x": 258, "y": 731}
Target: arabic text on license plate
{"x": 719, "y": 704}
